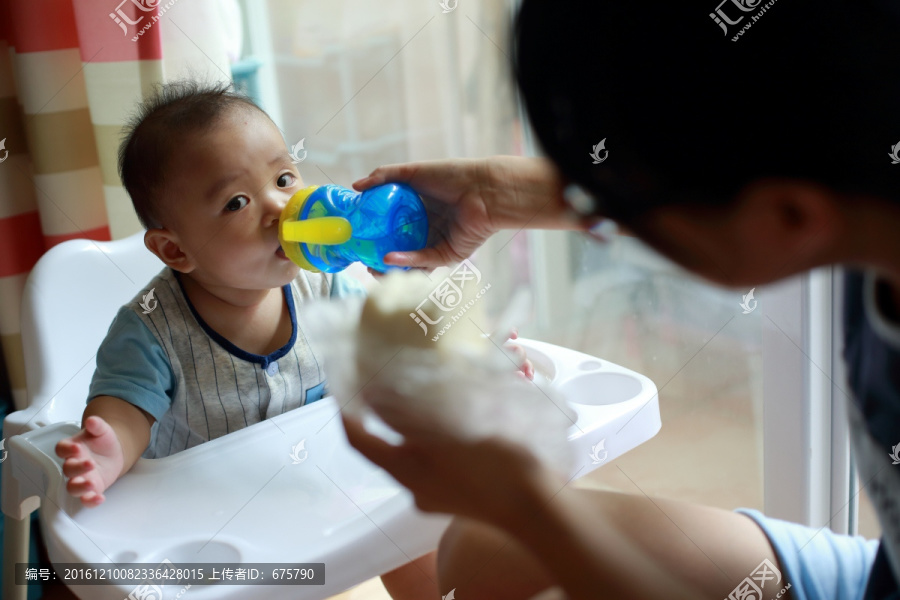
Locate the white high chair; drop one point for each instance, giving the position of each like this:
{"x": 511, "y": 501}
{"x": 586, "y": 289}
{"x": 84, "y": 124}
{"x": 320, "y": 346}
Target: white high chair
{"x": 254, "y": 496}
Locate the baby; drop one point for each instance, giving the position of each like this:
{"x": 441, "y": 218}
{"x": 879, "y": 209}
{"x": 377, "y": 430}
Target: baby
{"x": 212, "y": 344}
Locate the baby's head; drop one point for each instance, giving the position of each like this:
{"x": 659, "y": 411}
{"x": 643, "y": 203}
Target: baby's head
{"x": 208, "y": 173}
{"x": 150, "y": 150}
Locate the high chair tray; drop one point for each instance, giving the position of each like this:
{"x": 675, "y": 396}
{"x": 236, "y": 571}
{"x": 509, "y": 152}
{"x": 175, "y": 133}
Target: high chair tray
{"x": 292, "y": 490}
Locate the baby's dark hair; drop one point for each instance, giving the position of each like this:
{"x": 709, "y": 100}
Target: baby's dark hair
{"x": 807, "y": 91}
{"x": 151, "y": 137}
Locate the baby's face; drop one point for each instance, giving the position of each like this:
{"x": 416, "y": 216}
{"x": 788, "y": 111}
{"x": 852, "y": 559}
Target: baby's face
{"x": 226, "y": 190}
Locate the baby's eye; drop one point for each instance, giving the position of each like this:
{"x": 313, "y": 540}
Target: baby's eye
{"x": 237, "y": 203}
{"x": 285, "y": 179}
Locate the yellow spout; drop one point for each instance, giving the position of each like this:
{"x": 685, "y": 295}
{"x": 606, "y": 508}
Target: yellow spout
{"x": 321, "y": 230}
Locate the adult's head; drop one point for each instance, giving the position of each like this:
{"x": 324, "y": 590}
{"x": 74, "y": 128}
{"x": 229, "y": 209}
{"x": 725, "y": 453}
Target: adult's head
{"x": 745, "y": 138}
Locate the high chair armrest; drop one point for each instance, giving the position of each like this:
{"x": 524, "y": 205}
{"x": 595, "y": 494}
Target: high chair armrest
{"x": 32, "y": 470}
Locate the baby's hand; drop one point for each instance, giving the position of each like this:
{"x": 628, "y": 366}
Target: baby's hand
{"x": 93, "y": 460}
{"x": 526, "y": 368}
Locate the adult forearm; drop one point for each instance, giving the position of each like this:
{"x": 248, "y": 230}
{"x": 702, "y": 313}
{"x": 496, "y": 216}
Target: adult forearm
{"x": 525, "y": 193}
{"x": 585, "y": 552}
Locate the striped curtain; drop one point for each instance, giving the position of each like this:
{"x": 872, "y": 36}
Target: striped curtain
{"x": 71, "y": 72}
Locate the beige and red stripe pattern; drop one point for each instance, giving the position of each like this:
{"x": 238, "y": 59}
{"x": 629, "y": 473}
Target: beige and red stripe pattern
{"x": 21, "y": 243}
{"x": 70, "y": 75}
{"x": 22, "y": 240}
{"x": 50, "y": 83}
{"x": 178, "y": 38}
{"x": 118, "y": 73}
{"x": 56, "y": 195}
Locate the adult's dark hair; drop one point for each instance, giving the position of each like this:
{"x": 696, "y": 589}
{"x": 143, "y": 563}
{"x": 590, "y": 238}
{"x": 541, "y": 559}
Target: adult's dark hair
{"x": 810, "y": 90}
{"x": 152, "y": 137}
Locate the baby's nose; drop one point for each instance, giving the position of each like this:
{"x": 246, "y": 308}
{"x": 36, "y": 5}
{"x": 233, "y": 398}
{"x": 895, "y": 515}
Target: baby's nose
{"x": 275, "y": 204}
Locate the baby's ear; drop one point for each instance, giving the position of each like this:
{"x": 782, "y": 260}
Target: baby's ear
{"x": 164, "y": 244}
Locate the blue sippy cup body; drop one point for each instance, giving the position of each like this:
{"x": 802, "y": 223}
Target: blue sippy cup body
{"x": 383, "y": 219}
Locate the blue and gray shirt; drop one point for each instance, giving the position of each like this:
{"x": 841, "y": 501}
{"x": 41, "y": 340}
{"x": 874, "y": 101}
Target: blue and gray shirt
{"x": 197, "y": 385}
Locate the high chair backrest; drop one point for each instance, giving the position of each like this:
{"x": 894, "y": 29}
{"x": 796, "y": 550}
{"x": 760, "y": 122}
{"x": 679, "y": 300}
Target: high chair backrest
{"x": 70, "y": 299}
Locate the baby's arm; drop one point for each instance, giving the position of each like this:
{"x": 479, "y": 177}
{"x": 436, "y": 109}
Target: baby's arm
{"x": 114, "y": 434}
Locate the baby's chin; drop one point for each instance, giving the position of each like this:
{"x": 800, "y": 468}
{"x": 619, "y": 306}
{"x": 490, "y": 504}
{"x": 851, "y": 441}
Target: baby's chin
{"x": 265, "y": 279}
{"x": 287, "y": 274}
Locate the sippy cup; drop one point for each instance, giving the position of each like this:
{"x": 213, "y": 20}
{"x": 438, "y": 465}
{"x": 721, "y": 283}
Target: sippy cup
{"x": 328, "y": 227}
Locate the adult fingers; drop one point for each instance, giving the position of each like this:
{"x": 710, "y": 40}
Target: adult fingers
{"x": 399, "y": 461}
{"x": 401, "y": 172}
{"x": 374, "y": 448}
{"x": 427, "y": 259}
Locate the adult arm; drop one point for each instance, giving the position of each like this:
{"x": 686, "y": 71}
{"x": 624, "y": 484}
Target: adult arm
{"x": 503, "y": 485}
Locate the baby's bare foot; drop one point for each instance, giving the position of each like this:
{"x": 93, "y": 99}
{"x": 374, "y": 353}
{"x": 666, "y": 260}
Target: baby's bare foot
{"x": 93, "y": 460}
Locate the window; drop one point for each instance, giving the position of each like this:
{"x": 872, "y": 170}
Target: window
{"x": 363, "y": 84}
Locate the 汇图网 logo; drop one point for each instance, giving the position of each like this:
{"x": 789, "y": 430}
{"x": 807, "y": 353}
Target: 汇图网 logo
{"x": 447, "y": 297}
{"x": 295, "y": 152}
{"x": 747, "y": 299}
{"x": 149, "y": 303}
{"x": 299, "y": 453}
{"x": 598, "y": 452}
{"x": 894, "y": 154}
{"x": 721, "y": 17}
{"x": 121, "y": 18}
{"x": 596, "y": 152}
{"x": 733, "y": 12}
{"x": 751, "y": 588}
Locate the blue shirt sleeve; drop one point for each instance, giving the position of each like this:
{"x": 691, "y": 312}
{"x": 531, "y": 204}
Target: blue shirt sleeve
{"x": 344, "y": 285}
{"x": 132, "y": 365}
